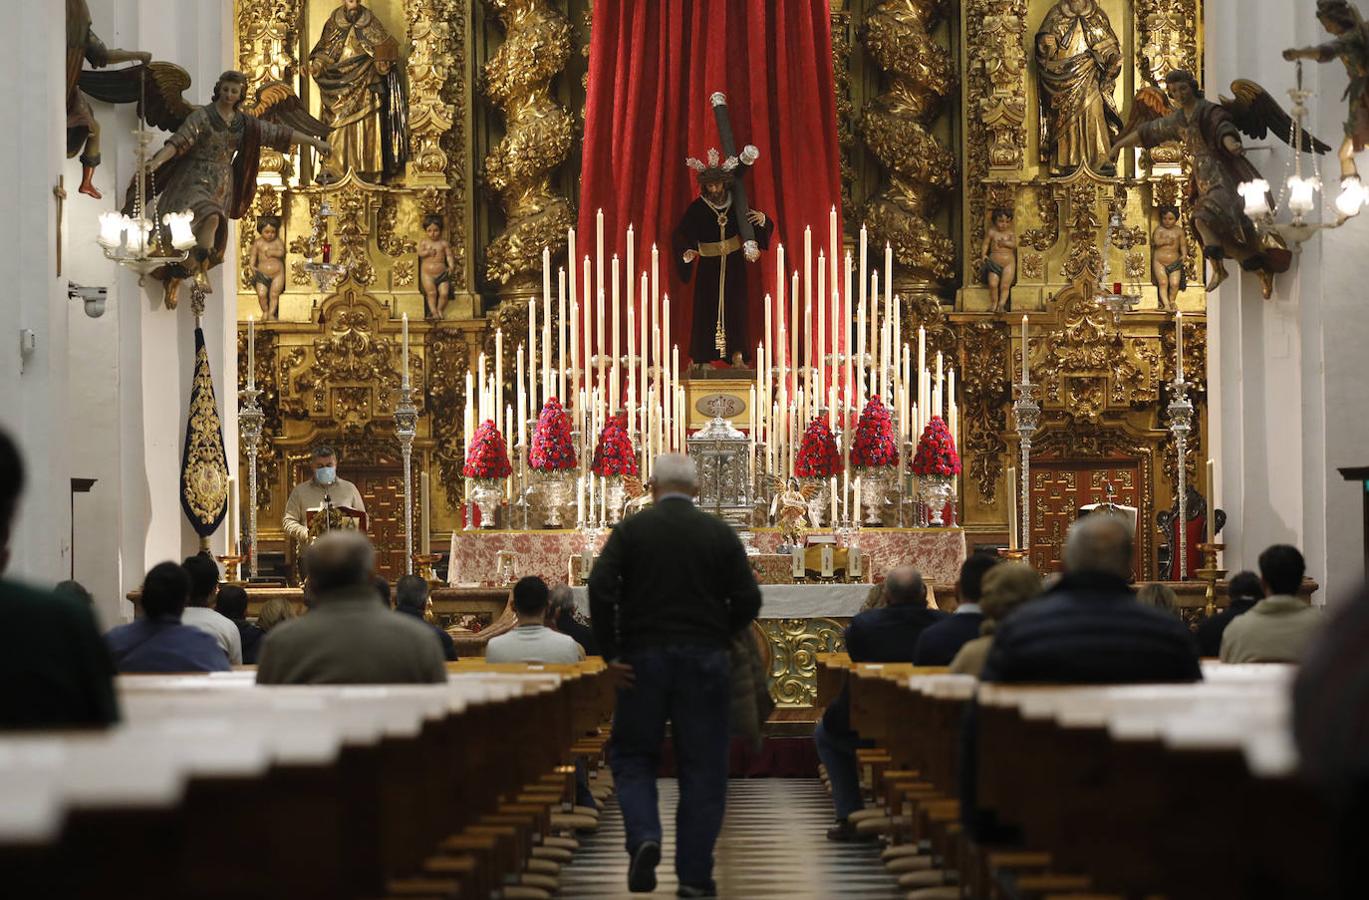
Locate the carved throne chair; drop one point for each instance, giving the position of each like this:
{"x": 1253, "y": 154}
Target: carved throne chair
{"x": 1166, "y": 522}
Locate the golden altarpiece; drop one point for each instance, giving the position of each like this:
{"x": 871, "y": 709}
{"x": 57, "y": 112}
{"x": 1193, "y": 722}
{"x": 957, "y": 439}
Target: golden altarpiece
{"x": 941, "y": 122}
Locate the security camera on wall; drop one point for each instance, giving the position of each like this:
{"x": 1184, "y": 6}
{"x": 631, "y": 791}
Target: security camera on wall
{"x": 93, "y": 297}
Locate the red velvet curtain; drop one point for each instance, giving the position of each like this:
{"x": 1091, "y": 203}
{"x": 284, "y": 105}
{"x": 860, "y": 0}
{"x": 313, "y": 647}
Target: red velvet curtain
{"x": 652, "y": 67}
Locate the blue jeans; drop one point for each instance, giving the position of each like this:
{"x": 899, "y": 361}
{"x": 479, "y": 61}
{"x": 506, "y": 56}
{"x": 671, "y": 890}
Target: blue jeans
{"x": 691, "y": 686}
{"x": 838, "y": 754}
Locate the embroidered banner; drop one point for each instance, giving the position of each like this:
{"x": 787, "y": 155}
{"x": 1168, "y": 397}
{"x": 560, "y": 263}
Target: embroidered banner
{"x": 204, "y": 464}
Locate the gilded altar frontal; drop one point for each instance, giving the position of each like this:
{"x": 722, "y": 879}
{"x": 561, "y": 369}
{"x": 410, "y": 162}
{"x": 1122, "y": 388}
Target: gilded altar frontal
{"x": 976, "y": 139}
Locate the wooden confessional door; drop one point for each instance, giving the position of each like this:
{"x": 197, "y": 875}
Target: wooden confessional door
{"x": 1059, "y": 487}
{"x": 382, "y": 490}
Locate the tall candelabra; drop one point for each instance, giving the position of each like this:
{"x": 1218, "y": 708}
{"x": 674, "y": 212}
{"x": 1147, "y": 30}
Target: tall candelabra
{"x": 406, "y": 428}
{"x": 250, "y": 420}
{"x": 1180, "y": 424}
{"x": 1026, "y": 420}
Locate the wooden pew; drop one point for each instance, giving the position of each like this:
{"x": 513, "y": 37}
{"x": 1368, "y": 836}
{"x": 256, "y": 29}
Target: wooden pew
{"x": 214, "y": 787}
{"x": 1148, "y": 790}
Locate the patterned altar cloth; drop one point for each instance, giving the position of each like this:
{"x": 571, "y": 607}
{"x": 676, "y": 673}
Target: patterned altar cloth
{"x": 936, "y": 552}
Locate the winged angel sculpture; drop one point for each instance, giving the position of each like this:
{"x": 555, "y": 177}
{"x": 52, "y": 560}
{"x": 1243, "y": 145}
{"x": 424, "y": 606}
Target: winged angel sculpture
{"x": 209, "y": 164}
{"x": 789, "y": 509}
{"x": 1211, "y": 135}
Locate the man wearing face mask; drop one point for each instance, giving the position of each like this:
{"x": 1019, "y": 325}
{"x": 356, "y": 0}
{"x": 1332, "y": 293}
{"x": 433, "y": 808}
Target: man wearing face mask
{"x": 324, "y": 487}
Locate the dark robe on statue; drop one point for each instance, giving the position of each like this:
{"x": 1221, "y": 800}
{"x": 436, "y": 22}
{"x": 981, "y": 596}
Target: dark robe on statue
{"x": 719, "y": 276}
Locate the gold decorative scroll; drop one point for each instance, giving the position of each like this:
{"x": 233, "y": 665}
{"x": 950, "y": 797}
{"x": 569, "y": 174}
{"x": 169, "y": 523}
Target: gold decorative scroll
{"x": 793, "y": 646}
{"x": 429, "y": 66}
{"x": 900, "y": 36}
{"x": 536, "y": 141}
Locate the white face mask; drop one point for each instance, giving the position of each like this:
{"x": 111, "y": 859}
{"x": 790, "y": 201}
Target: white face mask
{"x": 325, "y": 474}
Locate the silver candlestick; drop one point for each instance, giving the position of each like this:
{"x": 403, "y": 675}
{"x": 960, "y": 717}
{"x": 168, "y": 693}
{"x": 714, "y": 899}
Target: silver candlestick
{"x": 250, "y": 421}
{"x": 1026, "y": 420}
{"x": 406, "y": 429}
{"x": 1180, "y": 424}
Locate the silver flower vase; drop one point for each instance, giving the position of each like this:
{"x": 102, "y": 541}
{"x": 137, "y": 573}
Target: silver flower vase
{"x": 936, "y": 491}
{"x": 874, "y": 487}
{"x": 614, "y": 495}
{"x": 486, "y": 494}
{"x": 555, "y": 494}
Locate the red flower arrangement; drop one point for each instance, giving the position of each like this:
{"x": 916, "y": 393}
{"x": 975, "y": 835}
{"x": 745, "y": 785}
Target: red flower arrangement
{"x": 874, "y": 446}
{"x": 487, "y": 456}
{"x": 552, "y": 448}
{"x": 614, "y": 454}
{"x": 936, "y": 453}
{"x": 818, "y": 456}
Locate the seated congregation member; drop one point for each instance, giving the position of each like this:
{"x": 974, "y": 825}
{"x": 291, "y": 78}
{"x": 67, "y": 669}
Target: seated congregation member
{"x": 411, "y": 599}
{"x": 382, "y": 589}
{"x": 75, "y": 590}
{"x": 1243, "y": 591}
{"x": 1090, "y": 629}
{"x": 531, "y": 640}
{"x": 1330, "y": 695}
{"x": 273, "y": 612}
{"x": 887, "y": 634}
{"x": 200, "y": 612}
{"x": 348, "y": 638}
{"x": 1159, "y": 596}
{"x": 232, "y": 605}
{"x": 55, "y": 672}
{"x": 1279, "y": 627}
{"x": 938, "y": 645}
{"x": 563, "y": 619}
{"x": 159, "y": 641}
{"x": 1006, "y": 587}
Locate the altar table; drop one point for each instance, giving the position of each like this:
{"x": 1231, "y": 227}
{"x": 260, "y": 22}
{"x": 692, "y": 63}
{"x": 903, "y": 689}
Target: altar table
{"x": 936, "y": 552}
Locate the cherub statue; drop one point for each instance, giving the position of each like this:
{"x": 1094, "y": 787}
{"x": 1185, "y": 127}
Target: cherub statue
{"x": 1169, "y": 249}
{"x": 998, "y": 259}
{"x": 1351, "y": 47}
{"x": 267, "y": 264}
{"x": 209, "y": 164}
{"x": 435, "y": 264}
{"x": 83, "y": 130}
{"x": 1211, "y": 135}
{"x": 789, "y": 510}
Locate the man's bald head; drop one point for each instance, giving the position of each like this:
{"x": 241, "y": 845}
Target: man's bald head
{"x": 340, "y": 559}
{"x": 904, "y": 587}
{"x": 1099, "y": 543}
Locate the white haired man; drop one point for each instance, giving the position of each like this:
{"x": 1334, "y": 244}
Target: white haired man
{"x": 670, "y": 589}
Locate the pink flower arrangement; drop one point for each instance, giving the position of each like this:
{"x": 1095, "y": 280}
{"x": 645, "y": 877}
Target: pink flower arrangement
{"x": 614, "y": 454}
{"x": 487, "y": 456}
{"x": 874, "y": 446}
{"x": 552, "y": 448}
{"x": 818, "y": 456}
{"x": 936, "y": 454}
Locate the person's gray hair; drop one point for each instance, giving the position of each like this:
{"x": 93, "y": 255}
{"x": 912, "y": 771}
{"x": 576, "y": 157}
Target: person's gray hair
{"x": 340, "y": 559}
{"x": 904, "y": 587}
{"x": 562, "y": 597}
{"x": 323, "y": 450}
{"x": 1099, "y": 543}
{"x": 677, "y": 471}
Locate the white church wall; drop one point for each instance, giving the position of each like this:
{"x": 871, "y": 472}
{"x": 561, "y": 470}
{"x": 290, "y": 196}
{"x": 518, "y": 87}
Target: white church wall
{"x": 33, "y": 384}
{"x": 1286, "y": 373}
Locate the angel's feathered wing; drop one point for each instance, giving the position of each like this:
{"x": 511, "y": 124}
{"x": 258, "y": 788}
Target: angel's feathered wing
{"x": 1256, "y": 114}
{"x": 276, "y": 102}
{"x": 158, "y": 88}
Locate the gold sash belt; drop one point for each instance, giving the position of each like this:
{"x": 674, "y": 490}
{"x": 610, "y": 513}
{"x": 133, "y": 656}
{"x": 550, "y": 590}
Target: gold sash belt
{"x": 721, "y": 248}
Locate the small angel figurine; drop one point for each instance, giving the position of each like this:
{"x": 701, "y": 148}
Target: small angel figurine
{"x": 435, "y": 261}
{"x": 1169, "y": 249}
{"x": 789, "y": 509}
{"x": 998, "y": 260}
{"x": 267, "y": 264}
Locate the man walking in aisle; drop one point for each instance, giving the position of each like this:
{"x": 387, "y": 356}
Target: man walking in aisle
{"x": 671, "y": 588}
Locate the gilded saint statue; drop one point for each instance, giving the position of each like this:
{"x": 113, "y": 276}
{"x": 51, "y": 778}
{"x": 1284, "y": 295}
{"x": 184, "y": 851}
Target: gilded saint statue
{"x": 1078, "y": 60}
{"x": 362, "y": 97}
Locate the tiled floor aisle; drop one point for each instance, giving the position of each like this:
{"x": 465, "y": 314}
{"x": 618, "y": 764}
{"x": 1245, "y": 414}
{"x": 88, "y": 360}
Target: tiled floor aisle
{"x": 772, "y": 846}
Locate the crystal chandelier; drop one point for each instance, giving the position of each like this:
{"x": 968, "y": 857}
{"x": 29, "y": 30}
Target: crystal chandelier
{"x": 137, "y": 242}
{"x": 1300, "y": 188}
